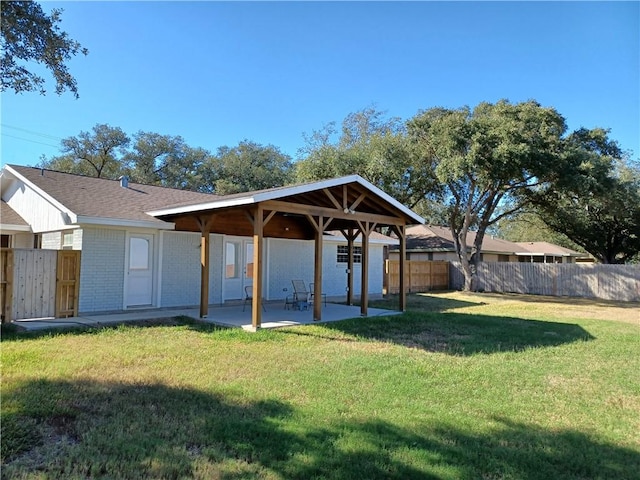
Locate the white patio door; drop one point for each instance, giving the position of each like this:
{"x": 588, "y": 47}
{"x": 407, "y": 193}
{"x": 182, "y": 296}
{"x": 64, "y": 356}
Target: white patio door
{"x": 238, "y": 267}
{"x": 140, "y": 271}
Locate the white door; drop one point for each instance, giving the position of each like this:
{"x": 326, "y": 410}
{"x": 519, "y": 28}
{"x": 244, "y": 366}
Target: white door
{"x": 140, "y": 271}
{"x": 238, "y": 268}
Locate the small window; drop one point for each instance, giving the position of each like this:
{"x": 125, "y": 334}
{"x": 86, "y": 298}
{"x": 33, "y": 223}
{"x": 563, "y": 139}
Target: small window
{"x": 343, "y": 254}
{"x": 138, "y": 253}
{"x": 231, "y": 261}
{"x": 503, "y": 258}
{"x": 67, "y": 240}
{"x": 5, "y": 241}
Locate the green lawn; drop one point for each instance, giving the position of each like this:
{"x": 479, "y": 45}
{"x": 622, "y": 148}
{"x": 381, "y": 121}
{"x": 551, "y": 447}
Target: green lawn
{"x": 460, "y": 387}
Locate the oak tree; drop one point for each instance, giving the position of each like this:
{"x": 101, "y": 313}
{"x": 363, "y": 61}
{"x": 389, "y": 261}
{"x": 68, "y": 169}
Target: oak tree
{"x": 30, "y": 35}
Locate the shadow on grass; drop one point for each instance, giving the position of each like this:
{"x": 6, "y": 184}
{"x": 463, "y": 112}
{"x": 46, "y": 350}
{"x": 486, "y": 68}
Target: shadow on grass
{"x": 462, "y": 334}
{"x": 423, "y": 302}
{"x": 11, "y": 332}
{"x": 100, "y": 430}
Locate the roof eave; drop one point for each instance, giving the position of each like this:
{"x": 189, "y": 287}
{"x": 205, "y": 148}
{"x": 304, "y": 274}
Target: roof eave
{"x": 120, "y": 222}
{"x": 6, "y": 227}
{"x": 253, "y": 198}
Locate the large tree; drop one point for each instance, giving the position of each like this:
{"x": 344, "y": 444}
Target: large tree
{"x": 528, "y": 226}
{"x": 98, "y": 153}
{"x": 372, "y": 146}
{"x": 166, "y": 160}
{"x": 30, "y": 35}
{"x": 246, "y": 167}
{"x": 597, "y": 203}
{"x": 487, "y": 159}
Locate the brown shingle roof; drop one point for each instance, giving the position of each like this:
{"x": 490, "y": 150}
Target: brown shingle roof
{"x": 546, "y": 248}
{"x": 8, "y": 216}
{"x": 429, "y": 237}
{"x": 99, "y": 197}
{"x": 439, "y": 239}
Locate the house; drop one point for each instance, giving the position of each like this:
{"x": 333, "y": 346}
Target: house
{"x": 155, "y": 247}
{"x": 428, "y": 242}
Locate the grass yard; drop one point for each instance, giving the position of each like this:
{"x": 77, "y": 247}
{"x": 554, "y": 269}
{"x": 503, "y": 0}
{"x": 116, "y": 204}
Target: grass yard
{"x": 461, "y": 387}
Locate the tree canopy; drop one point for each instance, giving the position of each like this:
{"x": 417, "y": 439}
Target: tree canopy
{"x": 596, "y": 203}
{"x": 486, "y": 159}
{"x": 372, "y": 146}
{"x": 247, "y": 167}
{"x": 166, "y": 160}
{"x": 496, "y": 167}
{"x": 30, "y": 35}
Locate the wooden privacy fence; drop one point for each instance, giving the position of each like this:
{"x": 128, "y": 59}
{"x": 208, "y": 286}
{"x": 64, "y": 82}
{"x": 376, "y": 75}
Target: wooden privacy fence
{"x": 39, "y": 283}
{"x": 607, "y": 282}
{"x": 420, "y": 275}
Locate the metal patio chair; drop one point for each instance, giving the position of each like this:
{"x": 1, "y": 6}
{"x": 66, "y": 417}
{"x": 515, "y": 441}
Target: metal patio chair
{"x": 248, "y": 297}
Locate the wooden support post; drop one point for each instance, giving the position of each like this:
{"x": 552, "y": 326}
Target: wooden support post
{"x": 402, "y": 301}
{"x": 317, "y": 272}
{"x": 366, "y": 228}
{"x": 258, "y": 234}
{"x": 319, "y": 226}
{"x": 350, "y": 248}
{"x": 350, "y": 235}
{"x": 205, "y": 229}
{"x": 204, "y": 273}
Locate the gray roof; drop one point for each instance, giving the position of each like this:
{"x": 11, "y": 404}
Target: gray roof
{"x": 8, "y": 216}
{"x": 430, "y": 238}
{"x": 102, "y": 198}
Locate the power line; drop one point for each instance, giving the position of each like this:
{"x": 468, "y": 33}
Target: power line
{"x": 28, "y": 140}
{"x": 39, "y": 134}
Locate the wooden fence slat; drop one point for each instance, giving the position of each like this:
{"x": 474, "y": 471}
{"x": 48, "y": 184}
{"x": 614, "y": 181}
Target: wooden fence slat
{"x": 607, "y": 282}
{"x": 420, "y": 275}
{"x": 30, "y": 287}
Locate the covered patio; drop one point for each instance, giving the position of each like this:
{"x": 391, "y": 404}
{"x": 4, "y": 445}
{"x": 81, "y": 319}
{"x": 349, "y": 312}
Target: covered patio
{"x": 350, "y": 205}
{"x": 275, "y": 316}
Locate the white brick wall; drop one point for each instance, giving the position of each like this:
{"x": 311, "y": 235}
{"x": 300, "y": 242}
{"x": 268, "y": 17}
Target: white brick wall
{"x": 181, "y": 269}
{"x": 294, "y": 259}
{"x": 102, "y": 270}
{"x": 52, "y": 240}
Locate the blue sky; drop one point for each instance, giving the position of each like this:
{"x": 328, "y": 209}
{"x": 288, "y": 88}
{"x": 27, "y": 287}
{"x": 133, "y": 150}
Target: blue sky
{"x": 217, "y": 73}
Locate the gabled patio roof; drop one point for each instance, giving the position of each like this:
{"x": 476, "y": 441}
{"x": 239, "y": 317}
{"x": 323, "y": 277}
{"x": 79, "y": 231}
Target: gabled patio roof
{"x": 343, "y": 199}
{"x": 348, "y": 204}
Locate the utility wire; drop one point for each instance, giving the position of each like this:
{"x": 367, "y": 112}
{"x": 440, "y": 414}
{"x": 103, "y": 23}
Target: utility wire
{"x": 39, "y": 134}
{"x": 27, "y": 140}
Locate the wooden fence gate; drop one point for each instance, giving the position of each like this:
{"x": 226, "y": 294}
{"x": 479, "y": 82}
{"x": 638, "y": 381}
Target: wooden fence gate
{"x": 38, "y": 283}
{"x": 420, "y": 275}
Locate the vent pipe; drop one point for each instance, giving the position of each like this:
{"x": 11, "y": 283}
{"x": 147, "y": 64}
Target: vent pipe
{"x": 124, "y": 181}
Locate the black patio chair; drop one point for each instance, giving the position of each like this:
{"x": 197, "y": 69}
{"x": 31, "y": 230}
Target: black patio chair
{"x": 248, "y": 297}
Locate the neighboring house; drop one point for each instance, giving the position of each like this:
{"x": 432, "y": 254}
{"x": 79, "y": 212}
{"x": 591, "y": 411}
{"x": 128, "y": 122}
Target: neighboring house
{"x": 427, "y": 242}
{"x": 141, "y": 244}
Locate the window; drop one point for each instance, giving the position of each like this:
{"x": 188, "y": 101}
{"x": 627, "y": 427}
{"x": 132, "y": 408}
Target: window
{"x": 138, "y": 253}
{"x": 343, "y": 254}
{"x": 5, "y": 241}
{"x": 231, "y": 261}
{"x": 503, "y": 258}
{"x": 67, "y": 240}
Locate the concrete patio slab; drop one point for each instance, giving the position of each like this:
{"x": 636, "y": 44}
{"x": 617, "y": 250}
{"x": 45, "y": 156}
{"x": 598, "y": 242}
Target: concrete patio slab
{"x": 275, "y": 316}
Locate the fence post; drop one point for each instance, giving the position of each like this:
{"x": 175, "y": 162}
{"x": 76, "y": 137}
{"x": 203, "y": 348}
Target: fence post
{"x": 6, "y": 272}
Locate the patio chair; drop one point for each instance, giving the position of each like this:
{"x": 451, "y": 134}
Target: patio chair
{"x": 248, "y": 297}
{"x": 301, "y": 296}
{"x": 312, "y": 294}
